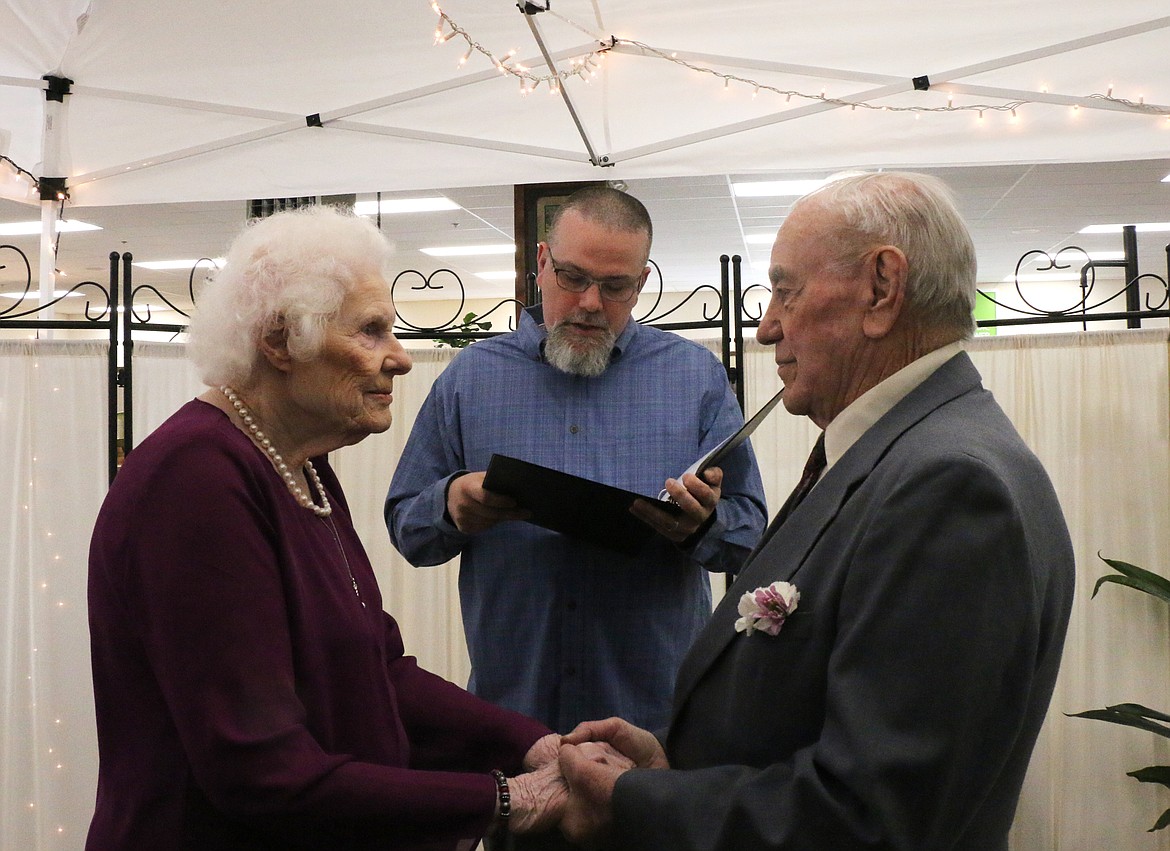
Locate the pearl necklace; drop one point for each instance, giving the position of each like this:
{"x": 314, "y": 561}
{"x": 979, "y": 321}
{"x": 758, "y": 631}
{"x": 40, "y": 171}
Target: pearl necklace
{"x": 302, "y": 498}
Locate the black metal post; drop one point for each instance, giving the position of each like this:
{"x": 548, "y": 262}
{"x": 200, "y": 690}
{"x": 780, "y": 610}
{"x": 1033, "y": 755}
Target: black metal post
{"x": 127, "y": 356}
{"x": 112, "y": 371}
{"x": 725, "y": 317}
{"x": 1132, "y": 296}
{"x": 737, "y": 326}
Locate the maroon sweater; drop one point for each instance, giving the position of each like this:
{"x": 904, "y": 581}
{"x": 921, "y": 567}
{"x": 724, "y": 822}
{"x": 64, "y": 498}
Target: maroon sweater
{"x": 246, "y": 698}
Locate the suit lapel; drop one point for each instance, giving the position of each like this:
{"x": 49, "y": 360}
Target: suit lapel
{"x": 782, "y": 550}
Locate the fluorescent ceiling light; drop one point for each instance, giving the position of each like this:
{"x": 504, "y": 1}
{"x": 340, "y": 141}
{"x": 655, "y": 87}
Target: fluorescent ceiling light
{"x": 30, "y": 228}
{"x": 497, "y": 276}
{"x": 1142, "y": 227}
{"x": 470, "y": 250}
{"x": 760, "y": 238}
{"x": 405, "y": 205}
{"x": 767, "y": 188}
{"x": 159, "y": 265}
{"x": 35, "y": 295}
{"x": 1166, "y": 179}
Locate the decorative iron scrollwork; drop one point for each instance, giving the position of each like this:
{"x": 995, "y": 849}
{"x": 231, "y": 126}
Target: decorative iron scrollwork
{"x": 1085, "y": 307}
{"x": 709, "y": 315}
{"x": 14, "y": 311}
{"x": 455, "y": 324}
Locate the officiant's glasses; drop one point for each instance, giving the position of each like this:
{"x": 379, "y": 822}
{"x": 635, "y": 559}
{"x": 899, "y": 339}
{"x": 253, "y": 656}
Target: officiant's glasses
{"x": 611, "y": 289}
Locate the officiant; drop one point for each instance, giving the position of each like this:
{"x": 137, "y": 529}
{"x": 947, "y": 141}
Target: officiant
{"x": 879, "y": 673}
{"x": 582, "y": 388}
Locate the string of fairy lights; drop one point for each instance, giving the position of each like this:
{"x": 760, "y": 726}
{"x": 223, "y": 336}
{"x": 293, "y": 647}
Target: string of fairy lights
{"x": 586, "y": 66}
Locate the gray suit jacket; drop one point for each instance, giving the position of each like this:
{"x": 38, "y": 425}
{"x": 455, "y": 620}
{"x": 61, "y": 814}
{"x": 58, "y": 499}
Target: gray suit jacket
{"x": 898, "y": 706}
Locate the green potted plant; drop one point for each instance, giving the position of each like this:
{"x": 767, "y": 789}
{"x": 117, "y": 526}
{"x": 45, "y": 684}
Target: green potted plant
{"x": 1133, "y": 714}
{"x": 469, "y": 324}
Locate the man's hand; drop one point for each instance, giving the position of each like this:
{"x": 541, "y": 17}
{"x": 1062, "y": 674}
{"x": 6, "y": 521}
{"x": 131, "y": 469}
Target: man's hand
{"x": 474, "y": 509}
{"x": 591, "y": 774}
{"x": 696, "y": 497}
{"x": 639, "y": 745}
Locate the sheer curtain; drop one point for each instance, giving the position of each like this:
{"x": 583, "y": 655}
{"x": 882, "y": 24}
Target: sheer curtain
{"x": 164, "y": 381}
{"x": 1095, "y": 408}
{"x": 53, "y": 430}
{"x": 425, "y": 601}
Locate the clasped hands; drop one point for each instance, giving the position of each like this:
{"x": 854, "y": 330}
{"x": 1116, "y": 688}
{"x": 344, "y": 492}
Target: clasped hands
{"x": 570, "y": 778}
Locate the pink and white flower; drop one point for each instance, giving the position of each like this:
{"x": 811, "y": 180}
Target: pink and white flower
{"x": 766, "y": 609}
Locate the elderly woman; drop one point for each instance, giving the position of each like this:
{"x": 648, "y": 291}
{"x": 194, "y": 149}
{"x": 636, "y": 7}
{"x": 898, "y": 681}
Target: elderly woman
{"x": 251, "y": 693}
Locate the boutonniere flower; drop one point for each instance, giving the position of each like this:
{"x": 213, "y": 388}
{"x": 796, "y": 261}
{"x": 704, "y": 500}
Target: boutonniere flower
{"x": 767, "y": 608}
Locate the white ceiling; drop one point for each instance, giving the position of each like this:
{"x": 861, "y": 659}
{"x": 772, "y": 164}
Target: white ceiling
{"x": 1011, "y": 209}
{"x": 179, "y": 111}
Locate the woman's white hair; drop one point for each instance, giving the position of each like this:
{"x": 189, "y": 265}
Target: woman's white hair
{"x": 291, "y": 270}
{"x": 916, "y": 213}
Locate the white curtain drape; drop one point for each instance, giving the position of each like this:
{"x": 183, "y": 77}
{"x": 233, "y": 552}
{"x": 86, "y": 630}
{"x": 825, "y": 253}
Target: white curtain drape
{"x": 53, "y": 430}
{"x": 164, "y": 381}
{"x": 1095, "y": 407}
{"x": 425, "y": 601}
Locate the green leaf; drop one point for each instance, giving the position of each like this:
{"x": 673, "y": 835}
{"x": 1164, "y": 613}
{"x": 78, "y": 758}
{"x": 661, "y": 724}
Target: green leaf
{"x": 1128, "y": 715}
{"x": 1135, "y": 577}
{"x": 1152, "y": 774}
{"x": 1161, "y": 823}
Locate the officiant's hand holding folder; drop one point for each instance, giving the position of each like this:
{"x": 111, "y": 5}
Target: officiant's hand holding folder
{"x": 590, "y": 510}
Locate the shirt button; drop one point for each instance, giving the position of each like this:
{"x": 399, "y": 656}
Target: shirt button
{"x": 570, "y": 671}
{"x": 571, "y": 605}
{"x": 572, "y": 429}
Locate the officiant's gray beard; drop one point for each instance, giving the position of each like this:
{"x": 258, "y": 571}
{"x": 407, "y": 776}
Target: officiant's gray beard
{"x": 587, "y": 358}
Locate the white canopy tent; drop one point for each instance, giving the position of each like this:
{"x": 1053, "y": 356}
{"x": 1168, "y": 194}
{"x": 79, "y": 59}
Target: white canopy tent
{"x": 176, "y": 101}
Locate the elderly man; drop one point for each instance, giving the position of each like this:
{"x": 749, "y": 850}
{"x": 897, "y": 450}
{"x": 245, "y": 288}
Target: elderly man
{"x": 900, "y": 627}
{"x": 557, "y": 628}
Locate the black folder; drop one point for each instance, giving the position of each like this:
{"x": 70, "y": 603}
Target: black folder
{"x": 590, "y": 510}
{"x": 574, "y": 506}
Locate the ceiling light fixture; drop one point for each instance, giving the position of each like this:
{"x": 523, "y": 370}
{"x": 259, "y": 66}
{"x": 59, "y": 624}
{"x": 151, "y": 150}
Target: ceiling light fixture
{"x": 32, "y": 228}
{"x": 405, "y": 205}
{"x": 776, "y": 188}
{"x": 160, "y": 265}
{"x": 470, "y": 250}
{"x": 1142, "y": 227}
{"x": 34, "y": 295}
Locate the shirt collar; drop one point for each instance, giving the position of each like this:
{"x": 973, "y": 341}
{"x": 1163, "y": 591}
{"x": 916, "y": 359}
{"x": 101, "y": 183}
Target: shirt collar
{"x": 861, "y": 414}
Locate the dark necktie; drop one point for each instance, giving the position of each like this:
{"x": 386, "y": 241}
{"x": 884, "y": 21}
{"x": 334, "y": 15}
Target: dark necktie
{"x": 813, "y": 467}
{"x": 812, "y": 471}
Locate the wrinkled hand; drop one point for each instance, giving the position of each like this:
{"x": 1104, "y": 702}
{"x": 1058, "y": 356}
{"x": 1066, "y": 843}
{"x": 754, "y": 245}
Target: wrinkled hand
{"x": 592, "y": 774}
{"x": 474, "y": 509}
{"x": 640, "y": 746}
{"x": 538, "y": 799}
{"x": 544, "y": 750}
{"x": 696, "y": 497}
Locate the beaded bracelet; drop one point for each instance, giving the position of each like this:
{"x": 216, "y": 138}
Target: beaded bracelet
{"x": 504, "y": 795}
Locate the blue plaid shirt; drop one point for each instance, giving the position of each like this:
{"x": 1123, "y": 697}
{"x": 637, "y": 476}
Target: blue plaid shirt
{"x": 557, "y": 629}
